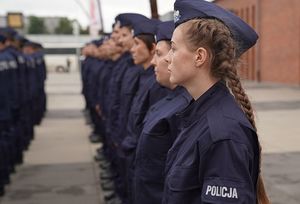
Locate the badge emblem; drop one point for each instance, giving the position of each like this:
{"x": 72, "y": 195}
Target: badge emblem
{"x": 176, "y": 16}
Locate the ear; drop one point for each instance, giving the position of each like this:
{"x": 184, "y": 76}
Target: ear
{"x": 201, "y": 56}
{"x": 152, "y": 51}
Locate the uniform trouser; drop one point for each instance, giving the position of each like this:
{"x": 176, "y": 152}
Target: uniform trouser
{"x": 30, "y": 118}
{"x": 44, "y": 101}
{"x": 9, "y": 138}
{"x": 5, "y": 159}
{"x": 41, "y": 106}
{"x": 3, "y": 167}
{"x": 28, "y": 124}
{"x": 35, "y": 106}
{"x": 120, "y": 181}
{"x": 99, "y": 124}
{"x": 130, "y": 176}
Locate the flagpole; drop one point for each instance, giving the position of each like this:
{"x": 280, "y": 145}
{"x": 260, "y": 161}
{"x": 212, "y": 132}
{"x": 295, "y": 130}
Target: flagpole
{"x": 100, "y": 15}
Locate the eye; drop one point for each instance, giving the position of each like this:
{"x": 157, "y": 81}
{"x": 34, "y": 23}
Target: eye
{"x": 158, "y": 53}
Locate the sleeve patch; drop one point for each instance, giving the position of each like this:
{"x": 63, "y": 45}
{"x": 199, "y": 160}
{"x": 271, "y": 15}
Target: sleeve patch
{"x": 225, "y": 190}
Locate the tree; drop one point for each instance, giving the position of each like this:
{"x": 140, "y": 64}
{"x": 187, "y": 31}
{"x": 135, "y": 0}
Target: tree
{"x": 36, "y": 25}
{"x": 64, "y": 27}
{"x": 84, "y": 31}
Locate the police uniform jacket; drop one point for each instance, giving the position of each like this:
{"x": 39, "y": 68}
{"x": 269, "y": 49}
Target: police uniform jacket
{"x": 159, "y": 132}
{"x": 215, "y": 157}
{"x": 148, "y": 94}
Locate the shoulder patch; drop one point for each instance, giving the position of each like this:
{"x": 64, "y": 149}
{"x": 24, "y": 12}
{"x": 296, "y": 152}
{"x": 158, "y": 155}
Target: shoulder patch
{"x": 3, "y": 65}
{"x": 226, "y": 190}
{"x": 13, "y": 64}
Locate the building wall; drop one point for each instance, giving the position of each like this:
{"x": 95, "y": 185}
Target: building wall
{"x": 280, "y": 43}
{"x": 276, "y": 57}
{"x": 247, "y": 10}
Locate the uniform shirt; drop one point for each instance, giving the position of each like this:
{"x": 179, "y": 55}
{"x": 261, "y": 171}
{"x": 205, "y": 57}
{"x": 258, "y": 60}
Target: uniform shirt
{"x": 159, "y": 132}
{"x": 92, "y": 68}
{"x": 149, "y": 93}
{"x": 129, "y": 87}
{"x": 114, "y": 92}
{"x": 13, "y": 79}
{"x": 31, "y": 77}
{"x": 95, "y": 70}
{"x": 87, "y": 66}
{"x": 20, "y": 74}
{"x": 5, "y": 109}
{"x": 215, "y": 158}
{"x": 40, "y": 70}
{"x": 109, "y": 87}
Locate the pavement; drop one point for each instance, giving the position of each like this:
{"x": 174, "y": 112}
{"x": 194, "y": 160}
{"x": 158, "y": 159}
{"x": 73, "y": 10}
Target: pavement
{"x": 59, "y": 166}
{"x": 277, "y": 109}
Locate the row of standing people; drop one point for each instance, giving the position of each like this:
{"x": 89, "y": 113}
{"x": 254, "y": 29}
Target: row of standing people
{"x": 166, "y": 102}
{"x": 22, "y": 98}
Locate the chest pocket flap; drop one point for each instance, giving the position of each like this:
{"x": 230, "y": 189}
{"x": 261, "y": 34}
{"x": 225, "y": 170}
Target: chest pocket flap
{"x": 184, "y": 179}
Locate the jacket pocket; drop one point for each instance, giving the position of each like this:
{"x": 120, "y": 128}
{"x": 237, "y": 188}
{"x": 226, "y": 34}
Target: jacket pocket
{"x": 184, "y": 179}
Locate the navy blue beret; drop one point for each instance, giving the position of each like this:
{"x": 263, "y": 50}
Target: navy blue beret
{"x": 30, "y": 43}
{"x": 128, "y": 19}
{"x": 20, "y": 38}
{"x": 33, "y": 44}
{"x": 2, "y": 38}
{"x": 8, "y": 31}
{"x": 97, "y": 42}
{"x": 145, "y": 27}
{"x": 164, "y": 31}
{"x": 242, "y": 33}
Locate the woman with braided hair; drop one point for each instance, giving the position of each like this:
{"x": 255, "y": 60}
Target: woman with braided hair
{"x": 216, "y": 157}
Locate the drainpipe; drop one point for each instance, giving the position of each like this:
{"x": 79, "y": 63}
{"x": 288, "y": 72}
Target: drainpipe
{"x": 154, "y": 13}
{"x": 100, "y": 15}
{"x": 258, "y": 47}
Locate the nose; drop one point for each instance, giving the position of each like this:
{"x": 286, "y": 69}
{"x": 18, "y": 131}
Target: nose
{"x": 132, "y": 50}
{"x": 167, "y": 58}
{"x": 153, "y": 61}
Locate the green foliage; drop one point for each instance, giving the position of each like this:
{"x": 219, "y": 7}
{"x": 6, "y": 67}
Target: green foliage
{"x": 36, "y": 25}
{"x": 64, "y": 27}
{"x": 84, "y": 31}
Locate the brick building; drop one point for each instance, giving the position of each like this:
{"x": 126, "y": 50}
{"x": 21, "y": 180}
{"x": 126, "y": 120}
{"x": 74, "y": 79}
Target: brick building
{"x": 276, "y": 57}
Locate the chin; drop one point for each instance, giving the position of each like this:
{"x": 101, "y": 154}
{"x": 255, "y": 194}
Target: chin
{"x": 172, "y": 80}
{"x": 158, "y": 80}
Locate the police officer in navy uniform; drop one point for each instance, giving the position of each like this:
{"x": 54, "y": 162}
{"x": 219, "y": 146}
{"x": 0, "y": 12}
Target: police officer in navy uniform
{"x": 216, "y": 157}
{"x": 5, "y": 115}
{"x": 148, "y": 93}
{"x": 160, "y": 126}
{"x": 12, "y": 133}
{"x": 123, "y": 87}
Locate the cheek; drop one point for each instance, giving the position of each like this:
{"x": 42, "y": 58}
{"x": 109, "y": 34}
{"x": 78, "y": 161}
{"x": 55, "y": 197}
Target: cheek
{"x": 179, "y": 68}
{"x": 142, "y": 53}
{"x": 163, "y": 67}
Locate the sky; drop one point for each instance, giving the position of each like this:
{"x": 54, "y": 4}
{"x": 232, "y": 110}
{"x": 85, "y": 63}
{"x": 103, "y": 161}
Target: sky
{"x": 74, "y": 9}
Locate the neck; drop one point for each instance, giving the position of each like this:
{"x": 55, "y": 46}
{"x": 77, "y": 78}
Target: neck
{"x": 170, "y": 86}
{"x": 147, "y": 64}
{"x": 116, "y": 57}
{"x": 199, "y": 86}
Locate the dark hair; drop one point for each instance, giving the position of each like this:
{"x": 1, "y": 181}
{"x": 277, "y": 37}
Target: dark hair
{"x": 213, "y": 35}
{"x": 130, "y": 27}
{"x": 149, "y": 40}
